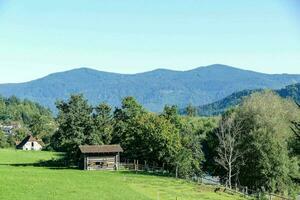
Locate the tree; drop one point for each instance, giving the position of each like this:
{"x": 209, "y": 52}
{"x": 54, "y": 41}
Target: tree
{"x": 42, "y": 126}
{"x": 265, "y": 135}
{"x": 145, "y": 136}
{"x": 228, "y": 151}
{"x": 193, "y": 131}
{"x": 295, "y": 143}
{"x": 191, "y": 110}
{"x": 3, "y": 140}
{"x": 102, "y": 124}
{"x": 159, "y": 140}
{"x": 171, "y": 113}
{"x": 125, "y": 119}
{"x": 184, "y": 167}
{"x": 74, "y": 126}
{"x": 21, "y": 133}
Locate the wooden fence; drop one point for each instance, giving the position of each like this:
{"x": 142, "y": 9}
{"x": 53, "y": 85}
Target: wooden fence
{"x": 135, "y": 166}
{"x": 240, "y": 190}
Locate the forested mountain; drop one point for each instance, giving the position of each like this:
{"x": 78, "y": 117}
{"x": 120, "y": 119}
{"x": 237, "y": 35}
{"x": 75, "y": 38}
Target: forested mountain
{"x": 153, "y": 89}
{"x": 218, "y": 107}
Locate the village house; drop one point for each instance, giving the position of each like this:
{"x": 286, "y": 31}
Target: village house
{"x": 8, "y": 129}
{"x": 30, "y": 143}
{"x": 101, "y": 157}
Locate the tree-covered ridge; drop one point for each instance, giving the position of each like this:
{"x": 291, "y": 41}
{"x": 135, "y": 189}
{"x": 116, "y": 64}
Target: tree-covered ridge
{"x": 153, "y": 89}
{"x": 219, "y": 107}
{"x": 15, "y": 109}
{"x": 23, "y": 117}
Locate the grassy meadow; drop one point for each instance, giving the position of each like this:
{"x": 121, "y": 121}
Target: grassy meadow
{"x": 20, "y": 179}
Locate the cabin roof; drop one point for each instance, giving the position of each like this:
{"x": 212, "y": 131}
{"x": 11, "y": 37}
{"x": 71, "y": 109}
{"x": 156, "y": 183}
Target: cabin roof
{"x": 29, "y": 138}
{"x": 115, "y": 148}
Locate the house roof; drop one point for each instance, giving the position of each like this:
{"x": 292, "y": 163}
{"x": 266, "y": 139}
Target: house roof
{"x": 115, "y": 148}
{"x": 29, "y": 138}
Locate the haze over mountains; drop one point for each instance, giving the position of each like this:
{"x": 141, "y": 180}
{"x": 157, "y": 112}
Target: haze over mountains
{"x": 153, "y": 89}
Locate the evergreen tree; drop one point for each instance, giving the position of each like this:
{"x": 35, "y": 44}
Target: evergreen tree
{"x": 74, "y": 126}
{"x": 102, "y": 124}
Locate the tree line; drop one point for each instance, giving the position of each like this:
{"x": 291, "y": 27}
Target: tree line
{"x": 164, "y": 139}
{"x": 255, "y": 144}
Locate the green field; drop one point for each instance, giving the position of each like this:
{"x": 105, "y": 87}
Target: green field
{"x": 20, "y": 179}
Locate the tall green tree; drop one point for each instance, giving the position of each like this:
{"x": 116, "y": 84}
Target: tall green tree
{"x": 145, "y": 136}
{"x": 265, "y": 134}
{"x": 125, "y": 119}
{"x": 295, "y": 142}
{"x": 102, "y": 124}
{"x": 193, "y": 131}
{"x": 74, "y": 126}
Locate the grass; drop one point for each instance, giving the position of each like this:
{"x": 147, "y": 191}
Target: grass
{"x": 21, "y": 179}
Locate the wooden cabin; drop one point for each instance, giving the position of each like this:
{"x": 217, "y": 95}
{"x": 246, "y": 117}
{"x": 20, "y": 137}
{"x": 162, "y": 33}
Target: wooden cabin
{"x": 101, "y": 157}
{"x": 30, "y": 143}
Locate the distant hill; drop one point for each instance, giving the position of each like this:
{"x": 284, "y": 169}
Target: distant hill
{"x": 152, "y": 89}
{"x": 218, "y": 107}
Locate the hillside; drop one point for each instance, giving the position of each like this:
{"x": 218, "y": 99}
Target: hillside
{"x": 21, "y": 178}
{"x": 152, "y": 89}
{"x": 14, "y": 109}
{"x": 218, "y": 107}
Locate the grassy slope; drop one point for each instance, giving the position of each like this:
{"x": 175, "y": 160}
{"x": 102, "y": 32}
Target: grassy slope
{"x": 29, "y": 182}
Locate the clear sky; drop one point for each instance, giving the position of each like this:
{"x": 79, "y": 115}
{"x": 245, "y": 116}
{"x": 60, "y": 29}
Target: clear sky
{"x": 40, "y": 37}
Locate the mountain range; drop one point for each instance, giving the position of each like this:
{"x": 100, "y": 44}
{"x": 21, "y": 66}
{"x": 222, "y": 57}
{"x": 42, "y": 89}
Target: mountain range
{"x": 219, "y": 107}
{"x": 153, "y": 89}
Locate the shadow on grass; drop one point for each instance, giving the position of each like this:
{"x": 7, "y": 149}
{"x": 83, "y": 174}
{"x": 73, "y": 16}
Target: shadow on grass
{"x": 56, "y": 164}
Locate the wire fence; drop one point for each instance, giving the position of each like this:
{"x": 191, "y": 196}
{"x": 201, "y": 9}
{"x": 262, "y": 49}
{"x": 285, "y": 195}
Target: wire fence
{"x": 204, "y": 179}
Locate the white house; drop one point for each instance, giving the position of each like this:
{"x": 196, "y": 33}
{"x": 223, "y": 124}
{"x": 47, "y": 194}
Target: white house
{"x": 30, "y": 143}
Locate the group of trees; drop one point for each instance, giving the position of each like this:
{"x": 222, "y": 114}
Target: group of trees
{"x": 165, "y": 139}
{"x": 257, "y": 144}
{"x": 26, "y": 118}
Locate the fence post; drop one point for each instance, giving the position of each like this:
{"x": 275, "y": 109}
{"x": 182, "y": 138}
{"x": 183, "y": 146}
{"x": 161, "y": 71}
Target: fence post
{"x": 236, "y": 188}
{"x": 176, "y": 171}
{"x": 134, "y": 161}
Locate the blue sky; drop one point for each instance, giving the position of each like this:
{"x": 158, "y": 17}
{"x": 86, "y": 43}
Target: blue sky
{"x": 40, "y": 37}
